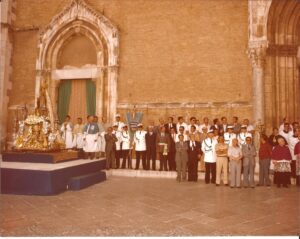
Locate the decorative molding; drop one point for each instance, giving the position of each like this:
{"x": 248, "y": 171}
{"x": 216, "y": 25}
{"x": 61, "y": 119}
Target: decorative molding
{"x": 282, "y": 50}
{"x": 176, "y": 105}
{"x": 258, "y": 11}
{"x": 76, "y": 73}
{"x": 257, "y": 52}
{"x": 74, "y": 18}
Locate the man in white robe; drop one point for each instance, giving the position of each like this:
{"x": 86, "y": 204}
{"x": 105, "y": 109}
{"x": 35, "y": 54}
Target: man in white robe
{"x": 67, "y": 132}
{"x": 78, "y": 134}
{"x": 90, "y": 137}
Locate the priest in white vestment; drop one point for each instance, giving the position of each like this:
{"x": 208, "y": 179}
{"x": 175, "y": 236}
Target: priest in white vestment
{"x": 67, "y": 132}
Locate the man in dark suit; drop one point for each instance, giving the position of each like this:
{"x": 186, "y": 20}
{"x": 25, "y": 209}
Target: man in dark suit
{"x": 194, "y": 155}
{"x": 181, "y": 158}
{"x": 223, "y": 125}
{"x": 110, "y": 148}
{"x": 163, "y": 147}
{"x": 172, "y": 151}
{"x": 151, "y": 147}
{"x": 170, "y": 125}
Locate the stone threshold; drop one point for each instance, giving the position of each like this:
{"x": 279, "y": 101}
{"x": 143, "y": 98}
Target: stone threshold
{"x": 151, "y": 174}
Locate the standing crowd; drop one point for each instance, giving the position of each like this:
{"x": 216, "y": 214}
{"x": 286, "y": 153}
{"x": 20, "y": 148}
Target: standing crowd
{"x": 225, "y": 150}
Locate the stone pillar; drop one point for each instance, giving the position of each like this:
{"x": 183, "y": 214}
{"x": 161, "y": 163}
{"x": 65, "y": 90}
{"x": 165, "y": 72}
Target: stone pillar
{"x": 112, "y": 92}
{"x": 6, "y": 46}
{"x": 257, "y": 55}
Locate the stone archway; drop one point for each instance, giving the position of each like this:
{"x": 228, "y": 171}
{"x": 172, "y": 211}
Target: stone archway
{"x": 282, "y": 74}
{"x": 79, "y": 18}
{"x": 274, "y": 37}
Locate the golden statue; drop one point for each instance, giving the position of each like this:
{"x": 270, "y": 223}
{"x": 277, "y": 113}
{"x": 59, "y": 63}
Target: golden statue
{"x": 38, "y": 132}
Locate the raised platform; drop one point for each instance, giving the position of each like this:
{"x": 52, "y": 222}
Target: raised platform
{"x": 44, "y": 179}
{"x": 40, "y": 157}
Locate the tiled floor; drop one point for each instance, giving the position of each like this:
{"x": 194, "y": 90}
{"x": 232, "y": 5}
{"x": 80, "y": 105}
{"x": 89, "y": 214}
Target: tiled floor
{"x": 124, "y": 206}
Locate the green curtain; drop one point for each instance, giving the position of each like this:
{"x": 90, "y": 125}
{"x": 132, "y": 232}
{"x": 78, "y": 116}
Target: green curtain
{"x": 64, "y": 95}
{"x": 90, "y": 97}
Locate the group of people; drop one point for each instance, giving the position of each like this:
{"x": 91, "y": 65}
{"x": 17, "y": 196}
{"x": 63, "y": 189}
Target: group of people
{"x": 220, "y": 147}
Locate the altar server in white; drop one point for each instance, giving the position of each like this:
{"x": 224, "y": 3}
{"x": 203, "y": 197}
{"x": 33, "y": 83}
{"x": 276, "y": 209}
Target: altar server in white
{"x": 90, "y": 137}
{"x": 78, "y": 134}
{"x": 210, "y": 157}
{"x": 67, "y": 132}
{"x": 229, "y": 135}
{"x": 140, "y": 146}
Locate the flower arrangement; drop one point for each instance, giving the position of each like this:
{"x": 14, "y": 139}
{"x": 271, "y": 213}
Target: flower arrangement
{"x": 34, "y": 119}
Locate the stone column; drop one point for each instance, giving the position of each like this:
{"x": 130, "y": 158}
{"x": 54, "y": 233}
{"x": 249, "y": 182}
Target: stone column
{"x": 112, "y": 92}
{"x": 7, "y": 16}
{"x": 257, "y": 55}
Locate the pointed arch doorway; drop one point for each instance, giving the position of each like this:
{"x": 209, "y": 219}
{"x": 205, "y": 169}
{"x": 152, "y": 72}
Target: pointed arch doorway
{"x": 97, "y": 63}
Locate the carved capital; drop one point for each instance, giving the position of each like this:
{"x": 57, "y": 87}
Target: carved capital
{"x": 257, "y": 53}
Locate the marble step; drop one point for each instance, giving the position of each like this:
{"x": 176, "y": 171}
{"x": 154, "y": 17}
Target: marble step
{"x": 151, "y": 174}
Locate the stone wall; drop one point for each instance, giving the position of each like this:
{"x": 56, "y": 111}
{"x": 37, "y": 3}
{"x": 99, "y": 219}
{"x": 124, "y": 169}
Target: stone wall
{"x": 171, "y": 52}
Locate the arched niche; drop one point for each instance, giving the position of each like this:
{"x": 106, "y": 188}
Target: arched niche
{"x": 78, "y": 51}
{"x": 78, "y": 19}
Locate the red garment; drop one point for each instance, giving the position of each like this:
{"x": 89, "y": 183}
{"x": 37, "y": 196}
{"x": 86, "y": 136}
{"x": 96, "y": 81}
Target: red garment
{"x": 281, "y": 152}
{"x": 265, "y": 151}
{"x": 297, "y": 148}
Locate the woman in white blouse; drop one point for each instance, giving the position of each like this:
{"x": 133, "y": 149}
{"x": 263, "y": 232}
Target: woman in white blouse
{"x": 235, "y": 156}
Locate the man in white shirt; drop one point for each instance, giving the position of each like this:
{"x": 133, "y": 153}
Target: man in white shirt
{"x": 125, "y": 146}
{"x": 250, "y": 128}
{"x": 210, "y": 157}
{"x": 140, "y": 146}
{"x": 118, "y": 152}
{"x": 205, "y": 124}
{"x": 181, "y": 123}
{"x": 181, "y": 131}
{"x": 286, "y": 133}
{"x": 243, "y": 135}
{"x": 67, "y": 132}
{"x": 229, "y": 135}
{"x": 119, "y": 123}
{"x": 192, "y": 123}
{"x": 285, "y": 120}
{"x": 293, "y": 139}
{"x": 78, "y": 134}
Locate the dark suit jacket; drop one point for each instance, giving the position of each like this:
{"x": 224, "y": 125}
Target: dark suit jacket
{"x": 222, "y": 130}
{"x": 162, "y": 139}
{"x": 197, "y": 150}
{"x": 151, "y": 141}
{"x": 172, "y": 144}
{"x": 167, "y": 126}
{"x": 110, "y": 141}
{"x": 181, "y": 151}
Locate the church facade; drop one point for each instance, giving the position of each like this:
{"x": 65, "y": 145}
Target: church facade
{"x": 165, "y": 58}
